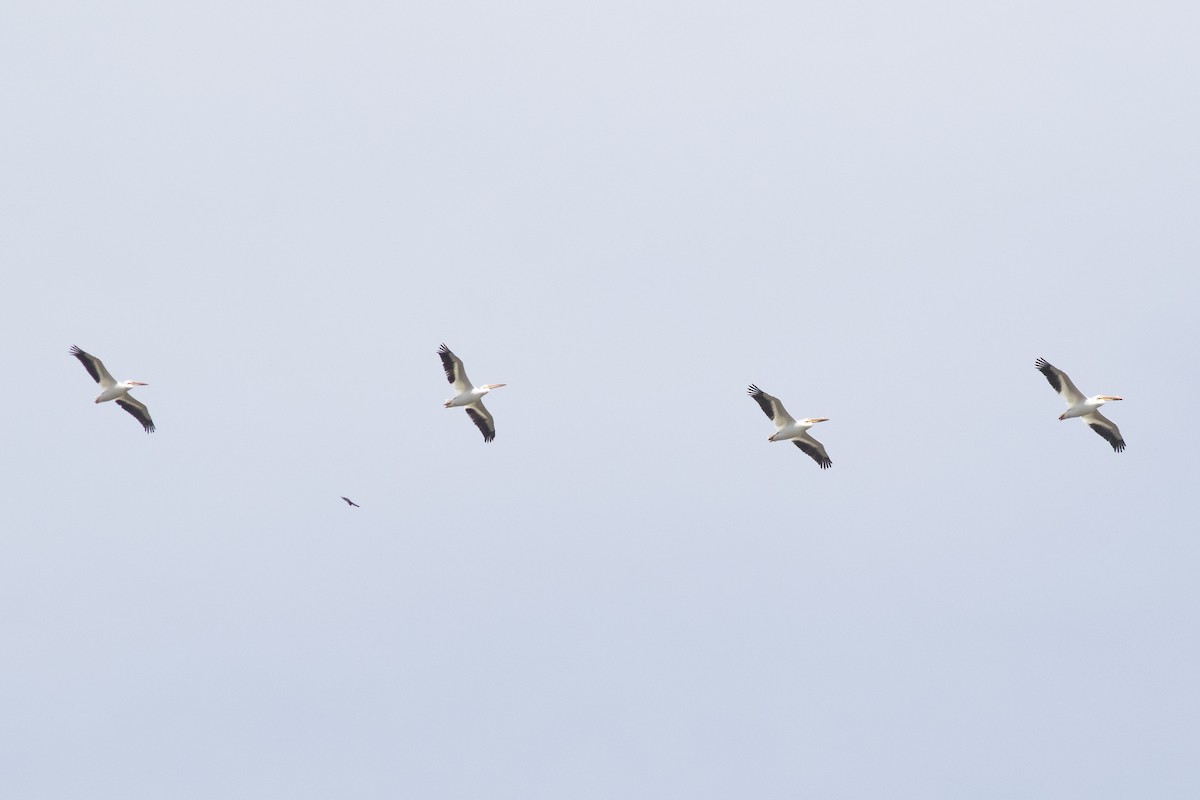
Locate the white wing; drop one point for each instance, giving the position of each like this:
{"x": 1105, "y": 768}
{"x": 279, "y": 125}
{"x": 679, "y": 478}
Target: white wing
{"x": 771, "y": 407}
{"x": 95, "y": 368}
{"x": 455, "y": 373}
{"x": 483, "y": 420}
{"x": 813, "y": 449}
{"x": 1060, "y": 382}
{"x": 1105, "y": 427}
{"x": 138, "y": 410}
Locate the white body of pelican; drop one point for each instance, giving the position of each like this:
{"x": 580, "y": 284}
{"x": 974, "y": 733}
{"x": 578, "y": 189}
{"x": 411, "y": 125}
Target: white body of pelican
{"x": 467, "y": 395}
{"x": 789, "y": 429}
{"x": 1086, "y": 408}
{"x": 115, "y": 390}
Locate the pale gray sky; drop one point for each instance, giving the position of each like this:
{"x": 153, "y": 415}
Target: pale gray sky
{"x": 274, "y": 213}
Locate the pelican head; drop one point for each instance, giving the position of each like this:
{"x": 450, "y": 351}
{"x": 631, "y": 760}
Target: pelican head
{"x": 1107, "y": 397}
{"x": 815, "y": 420}
{"x": 136, "y": 383}
{"x": 490, "y": 386}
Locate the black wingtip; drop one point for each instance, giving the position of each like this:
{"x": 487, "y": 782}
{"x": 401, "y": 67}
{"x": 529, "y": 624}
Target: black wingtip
{"x": 1043, "y": 366}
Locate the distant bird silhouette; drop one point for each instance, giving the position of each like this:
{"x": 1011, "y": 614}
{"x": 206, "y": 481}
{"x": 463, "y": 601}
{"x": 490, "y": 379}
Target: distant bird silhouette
{"x": 351, "y": 502}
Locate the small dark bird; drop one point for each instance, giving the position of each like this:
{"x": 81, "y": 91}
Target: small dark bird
{"x": 351, "y": 502}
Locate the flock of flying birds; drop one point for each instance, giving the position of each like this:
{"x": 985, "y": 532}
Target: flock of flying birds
{"x": 787, "y": 429}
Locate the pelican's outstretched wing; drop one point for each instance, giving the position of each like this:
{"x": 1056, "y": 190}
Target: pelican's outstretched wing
{"x": 771, "y": 407}
{"x": 1061, "y": 383}
{"x": 813, "y": 449}
{"x": 455, "y": 373}
{"x": 138, "y": 410}
{"x": 1105, "y": 427}
{"x": 95, "y": 368}
{"x": 483, "y": 420}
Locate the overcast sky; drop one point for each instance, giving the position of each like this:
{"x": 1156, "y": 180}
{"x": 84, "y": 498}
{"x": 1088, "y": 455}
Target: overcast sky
{"x": 881, "y": 213}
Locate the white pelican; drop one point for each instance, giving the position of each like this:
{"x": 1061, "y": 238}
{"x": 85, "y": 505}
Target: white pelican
{"x": 788, "y": 429}
{"x": 467, "y": 395}
{"x": 113, "y": 390}
{"x": 1079, "y": 406}
{"x": 351, "y": 502}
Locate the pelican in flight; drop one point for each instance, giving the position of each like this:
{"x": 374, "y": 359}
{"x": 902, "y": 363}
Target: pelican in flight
{"x": 114, "y": 390}
{"x": 351, "y": 502}
{"x": 1079, "y": 406}
{"x": 788, "y": 429}
{"x": 467, "y": 395}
